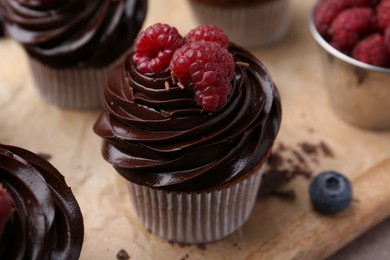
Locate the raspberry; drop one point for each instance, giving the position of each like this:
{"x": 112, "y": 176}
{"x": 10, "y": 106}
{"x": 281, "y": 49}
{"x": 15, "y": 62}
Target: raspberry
{"x": 324, "y": 13}
{"x": 387, "y": 37}
{"x": 155, "y": 46}
{"x": 5, "y": 208}
{"x": 349, "y": 26}
{"x": 383, "y": 14}
{"x": 372, "y": 50}
{"x": 207, "y": 69}
{"x": 356, "y": 3}
{"x": 208, "y": 33}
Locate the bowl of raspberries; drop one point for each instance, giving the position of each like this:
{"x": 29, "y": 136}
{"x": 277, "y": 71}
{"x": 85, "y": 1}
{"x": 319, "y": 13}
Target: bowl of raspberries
{"x": 354, "y": 38}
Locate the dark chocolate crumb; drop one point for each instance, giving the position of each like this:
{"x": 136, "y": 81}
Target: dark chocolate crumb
{"x": 288, "y": 162}
{"x": 275, "y": 160}
{"x": 299, "y": 156}
{"x": 272, "y": 180}
{"x": 236, "y": 245}
{"x": 281, "y": 147}
{"x": 201, "y": 246}
{"x": 326, "y": 149}
{"x": 45, "y": 156}
{"x": 122, "y": 255}
{"x": 308, "y": 148}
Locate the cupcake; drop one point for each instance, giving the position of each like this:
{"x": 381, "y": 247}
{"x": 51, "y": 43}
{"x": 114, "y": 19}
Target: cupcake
{"x": 39, "y": 215}
{"x": 72, "y": 44}
{"x": 250, "y": 23}
{"x": 354, "y": 37}
{"x": 190, "y": 123}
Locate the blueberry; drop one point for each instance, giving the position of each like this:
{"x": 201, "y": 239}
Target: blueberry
{"x": 330, "y": 192}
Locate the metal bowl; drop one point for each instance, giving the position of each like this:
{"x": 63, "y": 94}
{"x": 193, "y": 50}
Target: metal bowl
{"x": 359, "y": 93}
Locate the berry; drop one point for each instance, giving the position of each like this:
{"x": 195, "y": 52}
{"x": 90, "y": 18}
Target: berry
{"x": 208, "y": 33}
{"x": 155, "y": 46}
{"x": 5, "y": 208}
{"x": 324, "y": 13}
{"x": 330, "y": 192}
{"x": 356, "y": 3}
{"x": 387, "y": 37}
{"x": 372, "y": 50}
{"x": 207, "y": 69}
{"x": 383, "y": 14}
{"x": 348, "y": 27}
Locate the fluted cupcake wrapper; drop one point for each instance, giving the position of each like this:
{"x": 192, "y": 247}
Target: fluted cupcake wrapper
{"x": 196, "y": 217}
{"x": 249, "y": 26}
{"x": 74, "y": 88}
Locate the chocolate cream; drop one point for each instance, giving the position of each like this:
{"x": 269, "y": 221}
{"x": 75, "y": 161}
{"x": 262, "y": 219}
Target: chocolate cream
{"x": 69, "y": 33}
{"x": 163, "y": 139}
{"x": 47, "y": 222}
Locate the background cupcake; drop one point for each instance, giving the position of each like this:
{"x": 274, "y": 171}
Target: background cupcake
{"x": 72, "y": 44}
{"x": 190, "y": 128}
{"x": 38, "y": 211}
{"x": 249, "y": 23}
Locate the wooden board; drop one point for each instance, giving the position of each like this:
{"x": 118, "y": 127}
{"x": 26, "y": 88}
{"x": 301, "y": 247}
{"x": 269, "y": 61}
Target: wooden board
{"x": 277, "y": 229}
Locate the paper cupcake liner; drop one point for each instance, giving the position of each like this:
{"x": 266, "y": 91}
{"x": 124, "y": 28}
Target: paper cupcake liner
{"x": 196, "y": 217}
{"x": 70, "y": 88}
{"x": 255, "y": 25}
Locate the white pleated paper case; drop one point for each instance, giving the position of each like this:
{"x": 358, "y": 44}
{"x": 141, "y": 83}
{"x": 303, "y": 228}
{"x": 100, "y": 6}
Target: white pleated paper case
{"x": 250, "y": 26}
{"x": 73, "y": 88}
{"x": 196, "y": 217}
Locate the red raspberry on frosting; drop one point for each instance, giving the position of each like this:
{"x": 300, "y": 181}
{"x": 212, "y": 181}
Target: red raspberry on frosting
{"x": 383, "y": 14}
{"x": 207, "y": 69}
{"x": 208, "y": 33}
{"x": 372, "y": 50}
{"x": 155, "y": 46}
{"x": 348, "y": 27}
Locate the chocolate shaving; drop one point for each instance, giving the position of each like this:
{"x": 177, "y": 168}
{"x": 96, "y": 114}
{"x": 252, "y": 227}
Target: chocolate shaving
{"x": 286, "y": 163}
{"x": 308, "y": 148}
{"x": 242, "y": 64}
{"x": 174, "y": 81}
{"x": 326, "y": 149}
{"x": 167, "y": 86}
{"x": 181, "y": 86}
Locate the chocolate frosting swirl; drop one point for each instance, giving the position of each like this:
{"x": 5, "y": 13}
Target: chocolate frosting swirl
{"x": 47, "y": 222}
{"x": 66, "y": 33}
{"x": 163, "y": 139}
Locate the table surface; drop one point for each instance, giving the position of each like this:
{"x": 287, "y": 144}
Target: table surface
{"x": 272, "y": 232}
